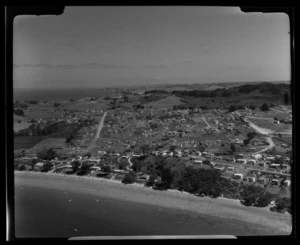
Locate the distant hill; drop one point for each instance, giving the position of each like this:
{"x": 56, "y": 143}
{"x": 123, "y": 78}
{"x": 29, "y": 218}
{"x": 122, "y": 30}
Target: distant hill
{"x": 246, "y": 94}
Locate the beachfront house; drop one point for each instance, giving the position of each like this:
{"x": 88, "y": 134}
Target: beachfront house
{"x": 38, "y": 166}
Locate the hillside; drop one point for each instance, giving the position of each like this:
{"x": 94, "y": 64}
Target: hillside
{"x": 246, "y": 94}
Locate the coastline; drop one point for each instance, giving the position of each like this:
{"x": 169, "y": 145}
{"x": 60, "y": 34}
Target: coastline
{"x": 220, "y": 208}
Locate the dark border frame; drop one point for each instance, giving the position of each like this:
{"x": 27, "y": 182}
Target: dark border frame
{"x": 12, "y": 11}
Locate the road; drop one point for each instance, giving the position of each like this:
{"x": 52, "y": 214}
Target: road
{"x": 258, "y": 129}
{"x": 206, "y": 122}
{"x": 99, "y": 128}
{"x": 271, "y": 145}
{"x": 128, "y": 159}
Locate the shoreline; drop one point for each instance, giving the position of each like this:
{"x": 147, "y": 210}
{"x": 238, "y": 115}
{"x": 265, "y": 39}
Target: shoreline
{"x": 221, "y": 208}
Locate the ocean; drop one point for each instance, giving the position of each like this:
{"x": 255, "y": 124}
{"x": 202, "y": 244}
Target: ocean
{"x": 60, "y": 94}
{"x": 44, "y": 213}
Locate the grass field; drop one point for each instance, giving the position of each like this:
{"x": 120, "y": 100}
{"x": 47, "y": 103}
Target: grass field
{"x": 40, "y": 111}
{"x": 85, "y": 105}
{"x": 20, "y": 123}
{"x": 26, "y": 142}
{"x": 269, "y": 124}
{"x": 55, "y": 143}
{"x": 167, "y": 102}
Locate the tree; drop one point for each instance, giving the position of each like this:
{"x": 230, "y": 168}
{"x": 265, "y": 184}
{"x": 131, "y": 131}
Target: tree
{"x": 232, "y": 108}
{"x": 264, "y": 200}
{"x": 232, "y": 148}
{"x": 167, "y": 177}
{"x": 56, "y": 104}
{"x": 85, "y": 167}
{"x": 129, "y": 178}
{"x": 106, "y": 169}
{"x": 123, "y": 165}
{"x": 47, "y": 154}
{"x": 22, "y": 167}
{"x": 264, "y": 107}
{"x": 151, "y": 180}
{"x": 251, "y": 135}
{"x": 88, "y": 154}
{"x": 286, "y": 98}
{"x": 252, "y": 107}
{"x": 206, "y": 162}
{"x": 46, "y": 167}
{"x": 145, "y": 149}
{"x": 172, "y": 148}
{"x": 75, "y": 166}
{"x": 19, "y": 112}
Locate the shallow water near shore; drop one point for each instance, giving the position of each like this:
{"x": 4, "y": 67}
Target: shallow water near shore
{"x": 57, "y": 206}
{"x": 48, "y": 213}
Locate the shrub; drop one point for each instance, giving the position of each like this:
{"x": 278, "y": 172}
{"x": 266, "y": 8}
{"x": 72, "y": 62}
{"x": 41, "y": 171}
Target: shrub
{"x": 264, "y": 107}
{"x": 129, "y": 178}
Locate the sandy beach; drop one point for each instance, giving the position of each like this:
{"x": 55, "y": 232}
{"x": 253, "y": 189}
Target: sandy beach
{"x": 226, "y": 209}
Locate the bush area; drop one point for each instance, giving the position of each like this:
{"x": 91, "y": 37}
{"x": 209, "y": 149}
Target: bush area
{"x": 18, "y": 112}
{"x": 57, "y": 129}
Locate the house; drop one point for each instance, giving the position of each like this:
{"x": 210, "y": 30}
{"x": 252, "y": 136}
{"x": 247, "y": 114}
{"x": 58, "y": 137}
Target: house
{"x": 261, "y": 164}
{"x": 251, "y": 178}
{"x": 143, "y": 177}
{"x": 256, "y": 156}
{"x": 274, "y": 165}
{"x": 262, "y": 180}
{"x": 241, "y": 161}
{"x": 251, "y": 162}
{"x": 275, "y": 182}
{"x": 38, "y": 166}
{"x": 271, "y": 158}
{"x": 219, "y": 168}
{"x": 94, "y": 168}
{"x": 287, "y": 183}
{"x": 237, "y": 156}
{"x": 285, "y": 167}
{"x": 198, "y": 161}
{"x": 237, "y": 176}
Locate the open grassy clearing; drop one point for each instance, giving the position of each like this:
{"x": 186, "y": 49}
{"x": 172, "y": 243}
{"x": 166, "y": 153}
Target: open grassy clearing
{"x": 167, "y": 102}
{"x": 85, "y": 105}
{"x": 27, "y": 142}
{"x": 57, "y": 144}
{"x": 20, "y": 123}
{"x": 269, "y": 124}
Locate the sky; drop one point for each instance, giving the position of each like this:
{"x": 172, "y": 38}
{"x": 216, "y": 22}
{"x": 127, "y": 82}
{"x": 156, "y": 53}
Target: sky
{"x": 130, "y": 45}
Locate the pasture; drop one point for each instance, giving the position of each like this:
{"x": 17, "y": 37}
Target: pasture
{"x": 167, "y": 102}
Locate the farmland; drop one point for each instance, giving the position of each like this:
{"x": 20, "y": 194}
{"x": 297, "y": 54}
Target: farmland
{"x": 167, "y": 102}
{"x": 26, "y": 142}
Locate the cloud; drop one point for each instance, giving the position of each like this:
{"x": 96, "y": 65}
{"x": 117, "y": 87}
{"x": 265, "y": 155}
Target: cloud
{"x": 159, "y": 66}
{"x": 89, "y": 65}
{"x": 73, "y": 46}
